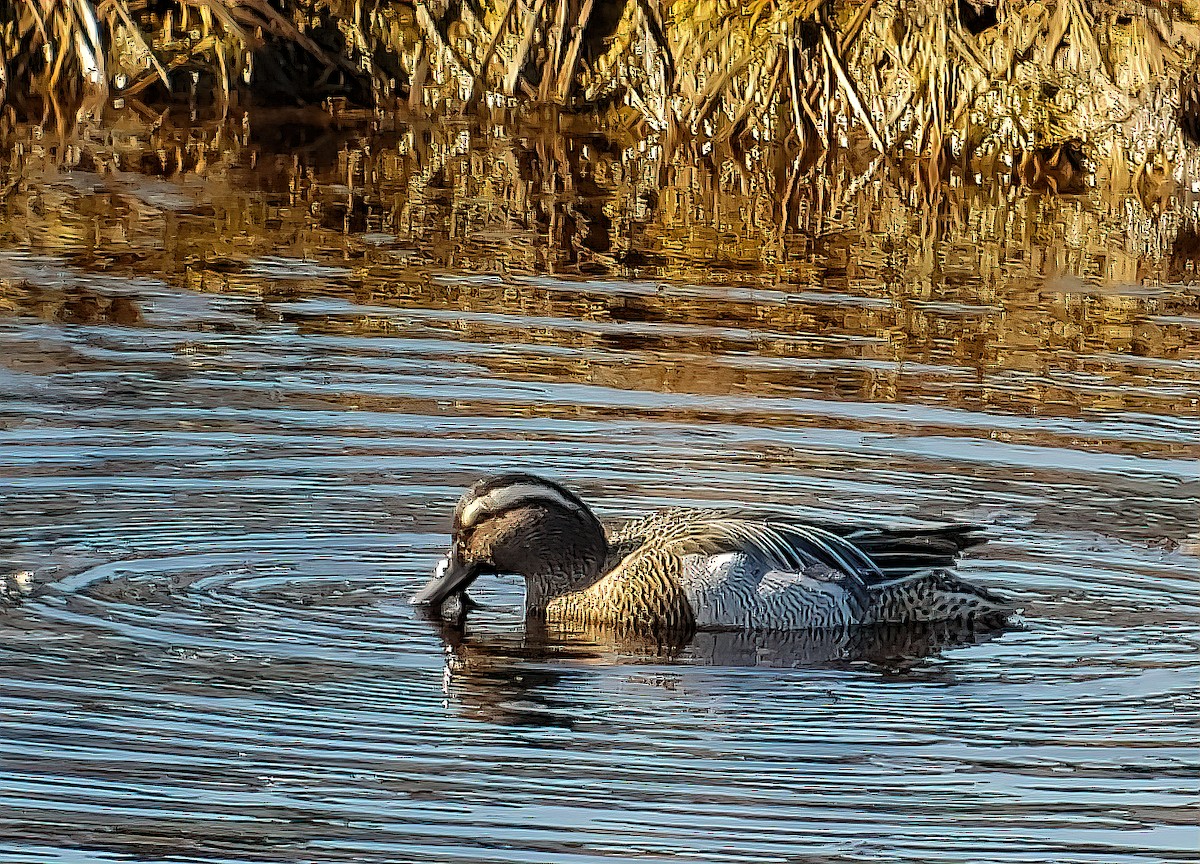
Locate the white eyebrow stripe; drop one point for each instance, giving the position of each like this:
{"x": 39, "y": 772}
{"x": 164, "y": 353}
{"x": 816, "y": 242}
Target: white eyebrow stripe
{"x": 510, "y": 496}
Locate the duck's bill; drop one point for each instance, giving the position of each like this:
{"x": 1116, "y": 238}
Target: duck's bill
{"x": 450, "y": 577}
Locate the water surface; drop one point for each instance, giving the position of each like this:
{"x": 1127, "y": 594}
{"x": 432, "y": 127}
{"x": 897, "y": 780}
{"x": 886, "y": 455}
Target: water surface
{"x": 240, "y": 398}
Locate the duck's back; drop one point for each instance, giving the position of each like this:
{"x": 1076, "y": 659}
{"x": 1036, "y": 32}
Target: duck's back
{"x": 734, "y": 572}
{"x": 738, "y": 572}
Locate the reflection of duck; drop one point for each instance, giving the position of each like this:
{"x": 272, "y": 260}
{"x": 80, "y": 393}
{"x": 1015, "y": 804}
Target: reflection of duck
{"x": 682, "y": 570}
{"x": 525, "y": 679}
{"x": 887, "y": 647}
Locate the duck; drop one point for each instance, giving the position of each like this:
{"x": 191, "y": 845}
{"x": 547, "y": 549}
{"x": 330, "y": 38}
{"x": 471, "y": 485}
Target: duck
{"x": 694, "y": 569}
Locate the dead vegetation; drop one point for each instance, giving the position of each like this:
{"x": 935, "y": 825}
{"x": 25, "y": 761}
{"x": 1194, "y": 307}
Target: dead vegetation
{"x": 1047, "y": 90}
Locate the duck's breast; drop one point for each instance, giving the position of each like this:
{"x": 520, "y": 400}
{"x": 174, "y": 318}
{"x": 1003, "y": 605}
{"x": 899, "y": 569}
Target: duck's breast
{"x": 738, "y": 590}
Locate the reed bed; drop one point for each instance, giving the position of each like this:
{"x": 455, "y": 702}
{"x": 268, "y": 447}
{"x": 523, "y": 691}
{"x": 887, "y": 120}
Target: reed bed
{"x": 1048, "y": 90}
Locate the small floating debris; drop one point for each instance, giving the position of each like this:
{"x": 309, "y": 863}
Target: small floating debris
{"x": 14, "y": 586}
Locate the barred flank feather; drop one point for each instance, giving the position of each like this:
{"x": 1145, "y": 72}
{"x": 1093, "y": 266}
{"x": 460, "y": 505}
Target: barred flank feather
{"x": 935, "y": 596}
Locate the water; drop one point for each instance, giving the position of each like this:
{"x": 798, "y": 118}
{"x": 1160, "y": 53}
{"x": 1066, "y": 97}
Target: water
{"x": 239, "y": 402}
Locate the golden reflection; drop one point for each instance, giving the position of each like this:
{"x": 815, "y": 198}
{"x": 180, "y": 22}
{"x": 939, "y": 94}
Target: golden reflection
{"x": 674, "y": 274}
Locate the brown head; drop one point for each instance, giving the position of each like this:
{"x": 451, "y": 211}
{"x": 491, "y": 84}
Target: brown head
{"x": 519, "y": 523}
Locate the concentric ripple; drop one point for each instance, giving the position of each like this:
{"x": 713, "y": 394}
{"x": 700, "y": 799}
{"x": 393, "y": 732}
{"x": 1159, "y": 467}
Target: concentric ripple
{"x": 225, "y": 502}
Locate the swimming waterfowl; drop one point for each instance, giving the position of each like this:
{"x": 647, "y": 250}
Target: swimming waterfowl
{"x": 688, "y": 569}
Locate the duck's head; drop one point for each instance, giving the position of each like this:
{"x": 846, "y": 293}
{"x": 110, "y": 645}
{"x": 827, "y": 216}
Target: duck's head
{"x": 519, "y": 523}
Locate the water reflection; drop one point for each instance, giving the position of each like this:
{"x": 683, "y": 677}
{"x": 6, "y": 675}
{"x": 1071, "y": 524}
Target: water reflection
{"x": 990, "y": 298}
{"x": 517, "y": 677}
{"x": 242, "y": 386}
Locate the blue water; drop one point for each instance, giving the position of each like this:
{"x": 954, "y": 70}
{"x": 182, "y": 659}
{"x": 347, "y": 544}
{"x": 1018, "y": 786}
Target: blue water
{"x": 226, "y": 481}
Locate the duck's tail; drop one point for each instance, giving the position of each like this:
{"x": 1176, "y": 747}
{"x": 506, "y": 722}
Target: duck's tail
{"x": 936, "y": 595}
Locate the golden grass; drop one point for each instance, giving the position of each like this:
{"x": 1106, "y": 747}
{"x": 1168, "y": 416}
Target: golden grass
{"x": 1035, "y": 87}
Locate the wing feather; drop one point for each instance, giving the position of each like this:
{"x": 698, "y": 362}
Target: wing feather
{"x": 875, "y": 552}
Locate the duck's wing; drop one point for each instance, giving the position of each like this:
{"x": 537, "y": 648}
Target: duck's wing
{"x": 718, "y": 575}
{"x": 776, "y": 573}
{"x": 782, "y": 543}
{"x": 893, "y": 552}
{"x": 898, "y": 552}
{"x": 793, "y": 546}
{"x": 740, "y": 559}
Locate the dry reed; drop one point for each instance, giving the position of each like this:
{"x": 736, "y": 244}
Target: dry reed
{"x": 1046, "y": 89}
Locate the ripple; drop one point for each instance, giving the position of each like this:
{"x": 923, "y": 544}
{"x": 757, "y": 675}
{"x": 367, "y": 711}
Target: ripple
{"x": 223, "y": 513}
